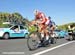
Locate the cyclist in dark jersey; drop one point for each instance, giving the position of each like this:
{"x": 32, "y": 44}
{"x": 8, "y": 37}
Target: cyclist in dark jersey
{"x": 52, "y": 25}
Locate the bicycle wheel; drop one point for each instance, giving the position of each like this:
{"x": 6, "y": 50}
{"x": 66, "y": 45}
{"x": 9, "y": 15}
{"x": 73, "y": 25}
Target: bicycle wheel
{"x": 33, "y": 41}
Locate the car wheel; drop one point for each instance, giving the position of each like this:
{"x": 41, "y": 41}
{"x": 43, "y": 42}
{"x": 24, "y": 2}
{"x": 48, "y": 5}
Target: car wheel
{"x": 26, "y": 35}
{"x": 70, "y": 38}
{"x": 6, "y": 36}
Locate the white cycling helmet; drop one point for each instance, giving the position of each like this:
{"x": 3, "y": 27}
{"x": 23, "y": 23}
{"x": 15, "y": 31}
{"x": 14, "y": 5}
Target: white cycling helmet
{"x": 36, "y": 11}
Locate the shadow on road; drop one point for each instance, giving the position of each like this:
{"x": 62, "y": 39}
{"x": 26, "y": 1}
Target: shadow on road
{"x": 13, "y": 38}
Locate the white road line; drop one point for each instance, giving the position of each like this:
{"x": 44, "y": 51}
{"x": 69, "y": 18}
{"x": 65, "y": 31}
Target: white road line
{"x": 42, "y": 52}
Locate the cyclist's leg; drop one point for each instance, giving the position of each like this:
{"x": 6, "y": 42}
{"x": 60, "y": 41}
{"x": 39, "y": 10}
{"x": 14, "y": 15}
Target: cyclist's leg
{"x": 47, "y": 37}
{"x": 46, "y": 31}
{"x": 41, "y": 30}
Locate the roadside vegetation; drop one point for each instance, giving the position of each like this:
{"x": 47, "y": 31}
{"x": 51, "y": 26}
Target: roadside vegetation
{"x": 65, "y": 26}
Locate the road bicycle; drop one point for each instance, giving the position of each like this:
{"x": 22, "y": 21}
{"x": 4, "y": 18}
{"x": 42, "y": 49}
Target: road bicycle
{"x": 35, "y": 40}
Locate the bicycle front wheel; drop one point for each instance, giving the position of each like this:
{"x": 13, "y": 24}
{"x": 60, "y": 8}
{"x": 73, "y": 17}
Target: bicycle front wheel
{"x": 33, "y": 40}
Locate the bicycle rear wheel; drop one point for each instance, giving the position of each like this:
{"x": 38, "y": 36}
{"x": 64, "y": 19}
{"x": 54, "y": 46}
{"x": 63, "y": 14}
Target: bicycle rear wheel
{"x": 33, "y": 41}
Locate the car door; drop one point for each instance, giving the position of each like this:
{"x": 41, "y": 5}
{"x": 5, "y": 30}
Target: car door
{"x": 22, "y": 31}
{"x": 15, "y": 31}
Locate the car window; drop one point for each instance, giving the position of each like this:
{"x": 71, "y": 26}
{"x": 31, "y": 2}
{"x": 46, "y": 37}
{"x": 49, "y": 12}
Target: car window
{"x": 14, "y": 27}
{"x": 57, "y": 30}
{"x": 21, "y": 27}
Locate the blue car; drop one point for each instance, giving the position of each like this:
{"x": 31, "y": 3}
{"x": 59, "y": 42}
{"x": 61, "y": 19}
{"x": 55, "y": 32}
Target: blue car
{"x": 13, "y": 31}
{"x": 63, "y": 33}
{"x": 60, "y": 33}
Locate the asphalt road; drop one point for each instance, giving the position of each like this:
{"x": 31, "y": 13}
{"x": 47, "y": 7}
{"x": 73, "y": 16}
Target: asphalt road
{"x": 19, "y": 47}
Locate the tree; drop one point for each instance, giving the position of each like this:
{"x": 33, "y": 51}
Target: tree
{"x": 13, "y": 18}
